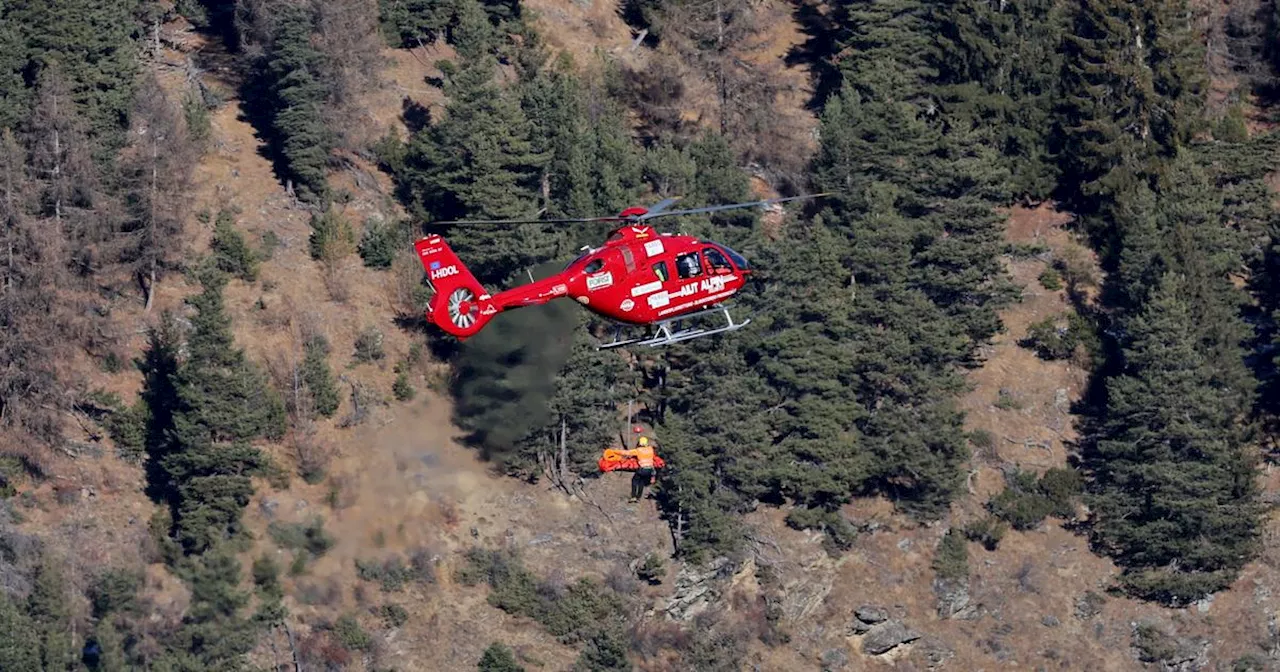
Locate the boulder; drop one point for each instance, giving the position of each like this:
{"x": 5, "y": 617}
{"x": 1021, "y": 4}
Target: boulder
{"x": 887, "y": 636}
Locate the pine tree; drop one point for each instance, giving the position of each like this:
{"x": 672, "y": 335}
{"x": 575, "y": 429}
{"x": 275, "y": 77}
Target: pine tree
{"x": 14, "y": 96}
{"x": 998, "y": 66}
{"x": 291, "y": 73}
{"x": 223, "y": 404}
{"x": 1175, "y": 498}
{"x": 498, "y": 658}
{"x": 479, "y": 162}
{"x": 91, "y": 42}
{"x": 51, "y": 616}
{"x": 17, "y": 636}
{"x": 1132, "y": 87}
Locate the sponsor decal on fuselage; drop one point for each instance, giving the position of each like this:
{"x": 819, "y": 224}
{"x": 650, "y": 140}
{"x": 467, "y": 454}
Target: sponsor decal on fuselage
{"x": 653, "y": 248}
{"x": 627, "y": 305}
{"x": 646, "y": 289}
{"x": 599, "y": 281}
{"x": 659, "y": 300}
{"x": 489, "y": 310}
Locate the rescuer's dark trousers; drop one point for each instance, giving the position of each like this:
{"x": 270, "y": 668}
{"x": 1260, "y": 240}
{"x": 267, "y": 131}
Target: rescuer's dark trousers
{"x": 641, "y": 479}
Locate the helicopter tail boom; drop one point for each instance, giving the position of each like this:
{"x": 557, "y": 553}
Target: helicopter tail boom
{"x": 461, "y": 305}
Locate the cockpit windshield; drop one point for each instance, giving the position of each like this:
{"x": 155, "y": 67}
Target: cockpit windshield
{"x": 738, "y": 260}
{"x": 577, "y": 261}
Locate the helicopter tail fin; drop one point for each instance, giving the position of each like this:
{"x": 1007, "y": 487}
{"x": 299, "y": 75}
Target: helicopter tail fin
{"x": 461, "y": 305}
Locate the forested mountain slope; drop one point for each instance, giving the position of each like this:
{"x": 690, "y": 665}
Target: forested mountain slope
{"x": 1007, "y": 401}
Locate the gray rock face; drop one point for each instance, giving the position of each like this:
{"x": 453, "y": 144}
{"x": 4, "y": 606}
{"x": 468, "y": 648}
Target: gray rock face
{"x": 953, "y": 599}
{"x": 696, "y": 587}
{"x": 887, "y": 636}
{"x": 834, "y": 659}
{"x": 871, "y": 614}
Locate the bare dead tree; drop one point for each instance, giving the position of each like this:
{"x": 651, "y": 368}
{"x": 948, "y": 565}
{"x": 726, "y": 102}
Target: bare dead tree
{"x": 158, "y": 166}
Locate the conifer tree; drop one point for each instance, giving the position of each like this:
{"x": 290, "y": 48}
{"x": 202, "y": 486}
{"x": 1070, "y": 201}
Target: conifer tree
{"x": 1132, "y": 85}
{"x": 159, "y": 175}
{"x": 291, "y": 69}
{"x": 1174, "y": 489}
{"x": 91, "y": 42}
{"x": 51, "y": 616}
{"x": 13, "y": 52}
{"x": 223, "y": 404}
{"x": 17, "y": 636}
{"x": 998, "y": 66}
{"x": 479, "y": 162}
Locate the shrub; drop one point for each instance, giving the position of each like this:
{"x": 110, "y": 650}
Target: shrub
{"x": 988, "y": 531}
{"x": 402, "y": 389}
{"x": 1059, "y": 337}
{"x": 351, "y": 635}
{"x": 332, "y": 237}
{"x": 231, "y": 254}
{"x": 368, "y": 346}
{"x": 1026, "y": 502}
{"x": 115, "y": 590}
{"x": 951, "y": 559}
{"x": 310, "y": 537}
{"x": 393, "y": 615}
{"x": 380, "y": 243}
{"x": 651, "y": 570}
{"x": 498, "y": 658}
{"x": 1050, "y": 279}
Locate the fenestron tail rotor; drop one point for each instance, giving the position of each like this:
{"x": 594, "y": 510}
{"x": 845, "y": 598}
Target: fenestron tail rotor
{"x": 462, "y": 308}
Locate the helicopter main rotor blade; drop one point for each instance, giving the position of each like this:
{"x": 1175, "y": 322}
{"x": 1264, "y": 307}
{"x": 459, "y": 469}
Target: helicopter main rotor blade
{"x": 527, "y": 221}
{"x": 733, "y": 206}
{"x": 660, "y": 206}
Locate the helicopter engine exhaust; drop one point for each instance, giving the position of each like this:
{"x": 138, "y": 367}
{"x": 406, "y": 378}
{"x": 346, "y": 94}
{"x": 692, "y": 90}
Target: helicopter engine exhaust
{"x": 461, "y": 305}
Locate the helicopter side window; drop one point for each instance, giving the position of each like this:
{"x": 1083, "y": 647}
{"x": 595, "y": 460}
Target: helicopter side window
{"x": 716, "y": 263}
{"x": 594, "y": 266}
{"x": 660, "y": 270}
{"x": 688, "y": 265}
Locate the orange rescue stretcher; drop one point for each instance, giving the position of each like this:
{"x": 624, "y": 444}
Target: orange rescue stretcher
{"x": 613, "y": 460}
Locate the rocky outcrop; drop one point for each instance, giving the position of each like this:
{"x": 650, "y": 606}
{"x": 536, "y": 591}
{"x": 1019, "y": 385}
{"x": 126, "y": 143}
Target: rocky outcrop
{"x": 696, "y": 587}
{"x": 887, "y": 636}
{"x": 1172, "y": 653}
{"x": 953, "y": 599}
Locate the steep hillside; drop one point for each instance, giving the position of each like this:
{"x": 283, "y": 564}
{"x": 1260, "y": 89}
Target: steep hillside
{"x": 402, "y": 501}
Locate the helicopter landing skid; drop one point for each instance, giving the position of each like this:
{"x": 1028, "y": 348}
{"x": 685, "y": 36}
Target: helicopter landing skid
{"x": 663, "y": 335}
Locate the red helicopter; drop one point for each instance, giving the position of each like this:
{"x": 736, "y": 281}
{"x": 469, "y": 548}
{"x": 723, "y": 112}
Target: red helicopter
{"x": 638, "y": 277}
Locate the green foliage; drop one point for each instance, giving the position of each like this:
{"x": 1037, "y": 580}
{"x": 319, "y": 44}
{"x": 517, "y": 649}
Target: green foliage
{"x": 393, "y": 572}
{"x": 17, "y": 634}
{"x": 987, "y": 531}
{"x": 220, "y": 403}
{"x": 840, "y": 534}
{"x": 606, "y": 651}
{"x": 51, "y": 615}
{"x": 393, "y": 615}
{"x": 319, "y": 377}
{"x": 290, "y": 74}
{"x": 196, "y": 113}
{"x": 351, "y": 635}
{"x": 231, "y": 253}
{"x": 332, "y": 237}
{"x": 1026, "y": 501}
{"x": 381, "y": 241}
{"x": 573, "y": 614}
{"x": 1175, "y": 500}
{"x": 478, "y": 161}
{"x": 401, "y": 387}
{"x": 310, "y": 537}
{"x": 652, "y": 569}
{"x": 951, "y": 559}
{"x": 498, "y": 658}
{"x": 1050, "y": 279}
{"x": 368, "y": 346}
{"x": 408, "y": 23}
{"x": 91, "y": 43}
{"x": 116, "y": 590}
{"x": 128, "y": 428}
{"x": 266, "y": 576}
{"x": 1053, "y": 340}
